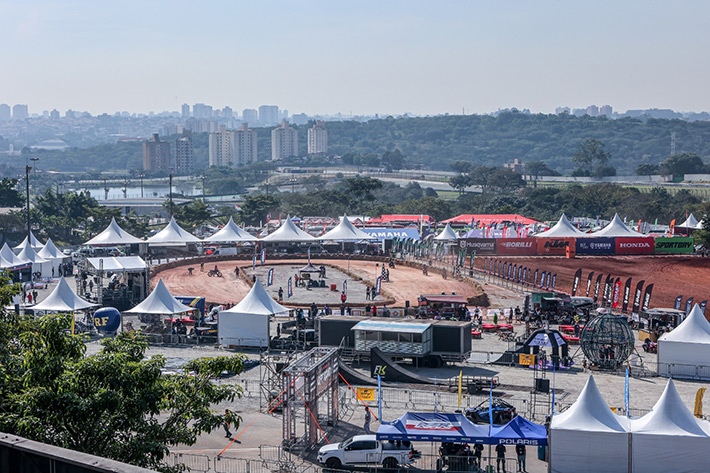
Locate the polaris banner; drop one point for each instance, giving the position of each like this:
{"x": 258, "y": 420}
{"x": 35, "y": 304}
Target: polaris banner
{"x": 595, "y": 246}
{"x": 678, "y": 302}
{"x": 627, "y": 294}
{"x": 634, "y": 246}
{"x": 637, "y": 296}
{"x": 647, "y": 297}
{"x": 589, "y": 283}
{"x": 483, "y": 246}
{"x": 674, "y": 245}
{"x": 516, "y": 246}
{"x": 575, "y": 283}
{"x": 688, "y": 305}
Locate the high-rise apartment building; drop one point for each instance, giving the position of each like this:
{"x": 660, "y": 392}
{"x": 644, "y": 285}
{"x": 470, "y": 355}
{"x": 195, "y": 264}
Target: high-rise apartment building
{"x": 200, "y": 110}
{"x": 284, "y": 142}
{"x": 185, "y": 111}
{"x": 5, "y": 112}
{"x": 220, "y": 152}
{"x": 593, "y": 111}
{"x": 227, "y": 113}
{"x": 318, "y": 139}
{"x": 299, "y": 119}
{"x": 243, "y": 146}
{"x": 156, "y": 154}
{"x": 54, "y": 114}
{"x": 269, "y": 114}
{"x": 184, "y": 155}
{"x": 606, "y": 110}
{"x": 19, "y": 112}
{"x": 250, "y": 115}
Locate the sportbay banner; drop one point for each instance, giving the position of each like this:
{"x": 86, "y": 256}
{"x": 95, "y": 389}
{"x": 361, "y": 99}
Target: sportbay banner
{"x": 674, "y": 245}
{"x": 595, "y": 246}
{"x": 553, "y": 246}
{"x": 634, "y": 246}
{"x": 516, "y": 246}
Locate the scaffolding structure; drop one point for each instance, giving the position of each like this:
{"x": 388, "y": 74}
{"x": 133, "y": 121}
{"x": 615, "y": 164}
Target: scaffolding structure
{"x": 310, "y": 397}
{"x": 271, "y": 366}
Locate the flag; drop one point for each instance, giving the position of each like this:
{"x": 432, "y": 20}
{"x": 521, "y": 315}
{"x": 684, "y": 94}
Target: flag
{"x": 535, "y": 279}
{"x": 596, "y": 288}
{"x": 384, "y": 272}
{"x": 626, "y": 392}
{"x": 270, "y": 277}
{"x": 542, "y": 279}
{"x": 460, "y": 382}
{"x": 616, "y": 294}
{"x": 309, "y": 255}
{"x": 575, "y": 283}
{"x": 547, "y": 281}
{"x": 253, "y": 262}
{"x": 378, "y": 285}
{"x": 703, "y": 305}
{"x": 553, "y": 389}
{"x": 345, "y": 287}
{"x": 379, "y": 397}
{"x": 554, "y": 280}
{"x": 627, "y": 294}
{"x": 698, "y": 411}
{"x": 678, "y": 302}
{"x": 671, "y": 228}
{"x": 263, "y": 256}
{"x": 289, "y": 287}
{"x": 688, "y": 305}
{"x": 637, "y": 296}
{"x": 647, "y": 297}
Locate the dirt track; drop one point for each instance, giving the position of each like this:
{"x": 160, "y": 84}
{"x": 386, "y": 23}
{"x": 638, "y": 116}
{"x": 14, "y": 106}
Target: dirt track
{"x": 405, "y": 283}
{"x": 671, "y": 276}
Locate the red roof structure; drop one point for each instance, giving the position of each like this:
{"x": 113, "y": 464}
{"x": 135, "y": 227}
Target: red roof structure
{"x": 487, "y": 219}
{"x": 401, "y": 219}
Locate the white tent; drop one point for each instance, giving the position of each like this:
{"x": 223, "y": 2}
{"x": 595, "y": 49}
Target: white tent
{"x": 682, "y": 351}
{"x": 346, "y": 231}
{"x": 231, "y": 233}
{"x": 52, "y": 254}
{"x": 113, "y": 235}
{"x": 116, "y": 264}
{"x": 588, "y": 437}
{"x": 172, "y": 235}
{"x": 39, "y": 264}
{"x": 448, "y": 234}
{"x": 62, "y": 299}
{"x": 36, "y": 244}
{"x": 562, "y": 229}
{"x": 669, "y": 438}
{"x": 616, "y": 228}
{"x": 288, "y": 232}
{"x": 160, "y": 302}
{"x": 9, "y": 259}
{"x": 690, "y": 222}
{"x": 247, "y": 323}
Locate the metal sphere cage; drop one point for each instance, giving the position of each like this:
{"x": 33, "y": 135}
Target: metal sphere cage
{"x": 607, "y": 341}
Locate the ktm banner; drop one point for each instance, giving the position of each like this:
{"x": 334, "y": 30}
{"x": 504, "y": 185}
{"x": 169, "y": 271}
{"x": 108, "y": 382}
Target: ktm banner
{"x": 575, "y": 283}
{"x": 634, "y": 246}
{"x": 516, "y": 246}
{"x": 637, "y": 296}
{"x": 553, "y": 246}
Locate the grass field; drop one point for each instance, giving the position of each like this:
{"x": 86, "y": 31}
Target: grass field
{"x": 702, "y": 192}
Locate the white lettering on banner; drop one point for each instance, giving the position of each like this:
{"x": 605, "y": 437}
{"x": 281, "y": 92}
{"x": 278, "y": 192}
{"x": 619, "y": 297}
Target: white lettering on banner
{"x": 517, "y": 442}
{"x": 634, "y": 245}
{"x": 600, "y": 246}
{"x": 517, "y": 244}
{"x": 424, "y": 425}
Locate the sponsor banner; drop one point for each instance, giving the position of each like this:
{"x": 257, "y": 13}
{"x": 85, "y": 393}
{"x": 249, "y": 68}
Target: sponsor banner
{"x": 634, "y": 246}
{"x": 595, "y": 246}
{"x": 366, "y": 394}
{"x": 517, "y": 246}
{"x": 392, "y": 233}
{"x": 637, "y": 296}
{"x": 482, "y": 246}
{"x": 674, "y": 245}
{"x": 575, "y": 283}
{"x": 553, "y": 246}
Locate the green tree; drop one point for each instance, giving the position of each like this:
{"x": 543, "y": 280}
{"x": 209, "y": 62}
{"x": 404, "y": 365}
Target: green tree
{"x": 589, "y": 156}
{"x": 683, "y": 163}
{"x": 192, "y": 214}
{"x": 647, "y": 169}
{"x": 481, "y": 176}
{"x": 460, "y": 182}
{"x": 361, "y": 188}
{"x": 539, "y": 168}
{"x": 256, "y": 207}
{"x": 9, "y": 195}
{"x": 393, "y": 159}
{"x": 702, "y": 236}
{"x": 505, "y": 180}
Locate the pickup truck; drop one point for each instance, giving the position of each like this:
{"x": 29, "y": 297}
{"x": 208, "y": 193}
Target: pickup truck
{"x": 366, "y": 449}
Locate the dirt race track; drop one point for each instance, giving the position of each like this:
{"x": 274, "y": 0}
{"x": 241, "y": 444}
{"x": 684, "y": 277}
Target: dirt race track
{"x": 671, "y": 276}
{"x": 406, "y": 283}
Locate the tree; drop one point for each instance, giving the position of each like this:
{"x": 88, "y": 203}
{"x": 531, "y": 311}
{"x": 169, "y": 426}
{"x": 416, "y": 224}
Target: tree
{"x": 647, "y": 169}
{"x": 9, "y": 196}
{"x": 683, "y": 163}
{"x": 191, "y": 215}
{"x": 361, "y": 188}
{"x": 604, "y": 170}
{"x": 539, "y": 168}
{"x": 460, "y": 182}
{"x": 256, "y": 207}
{"x": 462, "y": 167}
{"x": 393, "y": 159}
{"x": 589, "y": 156}
{"x": 504, "y": 179}
{"x": 436, "y": 208}
{"x": 702, "y": 236}
{"x": 481, "y": 176}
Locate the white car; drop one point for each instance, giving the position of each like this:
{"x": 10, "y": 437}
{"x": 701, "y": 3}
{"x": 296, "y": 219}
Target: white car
{"x": 366, "y": 449}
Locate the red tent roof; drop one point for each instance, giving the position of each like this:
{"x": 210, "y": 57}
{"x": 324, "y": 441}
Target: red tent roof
{"x": 490, "y": 218}
{"x": 400, "y": 219}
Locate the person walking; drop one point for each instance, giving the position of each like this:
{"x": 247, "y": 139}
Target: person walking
{"x": 343, "y": 297}
{"x": 281, "y": 294}
{"x": 500, "y": 457}
{"x": 477, "y": 452}
{"x": 227, "y": 423}
{"x": 520, "y": 451}
{"x": 202, "y": 267}
{"x": 368, "y": 418}
{"x": 367, "y": 293}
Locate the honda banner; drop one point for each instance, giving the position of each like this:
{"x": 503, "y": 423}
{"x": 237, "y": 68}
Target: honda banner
{"x": 595, "y": 246}
{"x": 516, "y": 246}
{"x": 575, "y": 282}
{"x": 553, "y": 246}
{"x": 634, "y": 246}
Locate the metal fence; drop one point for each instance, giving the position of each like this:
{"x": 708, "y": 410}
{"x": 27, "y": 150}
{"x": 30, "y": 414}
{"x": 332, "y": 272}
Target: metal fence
{"x": 684, "y": 371}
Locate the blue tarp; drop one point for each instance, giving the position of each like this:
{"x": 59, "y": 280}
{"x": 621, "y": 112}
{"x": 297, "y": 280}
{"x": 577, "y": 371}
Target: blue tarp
{"x": 519, "y": 431}
{"x": 432, "y": 427}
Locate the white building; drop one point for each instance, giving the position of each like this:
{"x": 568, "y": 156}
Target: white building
{"x": 243, "y": 146}
{"x": 318, "y": 139}
{"x": 220, "y": 143}
{"x": 268, "y": 114}
{"x": 284, "y": 142}
{"x": 250, "y": 115}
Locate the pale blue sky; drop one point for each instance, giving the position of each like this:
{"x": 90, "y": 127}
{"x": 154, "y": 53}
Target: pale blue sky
{"x": 423, "y": 57}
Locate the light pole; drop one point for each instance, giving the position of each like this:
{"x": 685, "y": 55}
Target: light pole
{"x": 293, "y": 182}
{"x": 170, "y": 205}
{"x": 27, "y": 183}
{"x": 141, "y": 175}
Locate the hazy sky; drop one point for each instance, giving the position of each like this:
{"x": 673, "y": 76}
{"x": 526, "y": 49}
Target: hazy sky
{"x": 364, "y": 57}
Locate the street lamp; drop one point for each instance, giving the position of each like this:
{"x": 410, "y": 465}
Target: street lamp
{"x": 141, "y": 175}
{"x": 28, "y": 168}
{"x": 293, "y": 182}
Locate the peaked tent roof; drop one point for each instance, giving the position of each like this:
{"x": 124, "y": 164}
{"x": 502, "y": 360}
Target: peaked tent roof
{"x": 288, "y": 231}
{"x": 172, "y": 234}
{"x": 433, "y": 427}
{"x": 231, "y": 233}
{"x": 309, "y": 268}
{"x": 669, "y": 416}
{"x": 8, "y": 255}
{"x": 29, "y": 255}
{"x": 36, "y": 244}
{"x": 113, "y": 235}
{"x": 616, "y": 228}
{"x": 50, "y": 251}
{"x": 519, "y": 430}
{"x": 258, "y": 301}
{"x": 448, "y": 234}
{"x": 563, "y": 228}
{"x": 589, "y": 413}
{"x": 160, "y": 302}
{"x": 346, "y": 231}
{"x": 694, "y": 329}
{"x": 690, "y": 222}
{"x": 62, "y": 299}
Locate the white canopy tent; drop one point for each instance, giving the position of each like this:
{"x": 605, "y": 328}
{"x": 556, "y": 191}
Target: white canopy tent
{"x": 288, "y": 232}
{"x": 9, "y": 258}
{"x": 172, "y": 235}
{"x": 113, "y": 235}
{"x": 52, "y": 254}
{"x": 616, "y": 228}
{"x": 669, "y": 438}
{"x": 118, "y": 263}
{"x": 346, "y": 231}
{"x": 588, "y": 437}
{"x": 685, "y": 351}
{"x": 247, "y": 323}
{"x": 690, "y": 222}
{"x": 62, "y": 299}
{"x": 36, "y": 244}
{"x": 231, "y": 233}
{"x": 39, "y": 264}
{"x": 448, "y": 234}
{"x": 562, "y": 229}
{"x": 160, "y": 302}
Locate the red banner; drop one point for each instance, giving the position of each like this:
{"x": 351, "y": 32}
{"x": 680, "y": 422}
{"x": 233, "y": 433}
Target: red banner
{"x": 553, "y": 246}
{"x": 617, "y": 294}
{"x": 516, "y": 246}
{"x": 634, "y": 246}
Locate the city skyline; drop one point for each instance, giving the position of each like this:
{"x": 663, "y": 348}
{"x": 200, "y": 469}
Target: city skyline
{"x": 367, "y": 58}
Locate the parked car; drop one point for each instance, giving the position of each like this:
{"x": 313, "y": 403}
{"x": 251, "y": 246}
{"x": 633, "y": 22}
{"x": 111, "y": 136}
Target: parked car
{"x": 366, "y": 449}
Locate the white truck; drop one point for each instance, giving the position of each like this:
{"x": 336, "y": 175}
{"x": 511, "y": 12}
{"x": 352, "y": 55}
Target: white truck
{"x": 366, "y": 449}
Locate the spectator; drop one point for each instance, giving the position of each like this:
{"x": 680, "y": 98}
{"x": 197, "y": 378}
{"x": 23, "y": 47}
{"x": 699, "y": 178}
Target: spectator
{"x": 500, "y": 457}
{"x": 520, "y": 451}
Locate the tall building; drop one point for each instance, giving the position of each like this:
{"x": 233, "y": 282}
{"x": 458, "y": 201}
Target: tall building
{"x": 243, "y": 146}
{"x": 156, "y": 154}
{"x": 184, "y": 155}
{"x": 284, "y": 142}
{"x": 250, "y": 115}
{"x": 5, "y": 112}
{"x": 185, "y": 111}
{"x": 227, "y": 113}
{"x": 299, "y": 119}
{"x": 561, "y": 110}
{"x": 19, "y": 112}
{"x": 200, "y": 110}
{"x": 606, "y": 110}
{"x": 54, "y": 114}
{"x": 269, "y": 114}
{"x": 593, "y": 111}
{"x": 220, "y": 153}
{"x": 318, "y": 139}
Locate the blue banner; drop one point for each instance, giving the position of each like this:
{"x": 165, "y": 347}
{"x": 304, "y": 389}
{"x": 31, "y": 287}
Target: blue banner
{"x": 378, "y": 285}
{"x": 595, "y": 246}
{"x": 270, "y": 277}
{"x": 289, "y": 288}
{"x": 391, "y": 233}
{"x": 263, "y": 256}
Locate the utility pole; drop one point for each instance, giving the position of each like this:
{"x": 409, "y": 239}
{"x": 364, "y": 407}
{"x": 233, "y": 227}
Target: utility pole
{"x": 141, "y": 175}
{"x": 27, "y": 183}
{"x": 170, "y": 196}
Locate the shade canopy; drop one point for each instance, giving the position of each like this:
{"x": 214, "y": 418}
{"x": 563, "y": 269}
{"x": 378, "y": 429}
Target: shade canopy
{"x": 288, "y": 231}
{"x": 160, "y": 302}
{"x": 258, "y": 301}
{"x": 50, "y": 251}
{"x": 36, "y": 244}
{"x": 690, "y": 222}
{"x": 589, "y": 413}
{"x": 62, "y": 299}
{"x": 113, "y": 235}
{"x": 29, "y": 255}
{"x": 431, "y": 427}
{"x": 448, "y": 234}
{"x": 9, "y": 258}
{"x": 545, "y": 338}
{"x": 562, "y": 229}
{"x": 172, "y": 235}
{"x": 231, "y": 233}
{"x": 519, "y": 431}
{"x": 616, "y": 228}
{"x": 309, "y": 268}
{"x": 346, "y": 231}
{"x": 130, "y": 264}
{"x": 685, "y": 348}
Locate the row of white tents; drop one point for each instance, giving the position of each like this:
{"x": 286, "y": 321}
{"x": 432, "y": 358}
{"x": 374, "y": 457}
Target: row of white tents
{"x": 44, "y": 258}
{"x": 589, "y": 437}
{"x": 564, "y": 229}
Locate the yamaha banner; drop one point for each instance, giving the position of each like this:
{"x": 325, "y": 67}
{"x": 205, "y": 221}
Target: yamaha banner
{"x": 637, "y": 296}
{"x": 688, "y": 305}
{"x": 678, "y": 302}
{"x": 575, "y": 282}
{"x": 647, "y": 297}
{"x": 589, "y": 283}
{"x": 627, "y": 294}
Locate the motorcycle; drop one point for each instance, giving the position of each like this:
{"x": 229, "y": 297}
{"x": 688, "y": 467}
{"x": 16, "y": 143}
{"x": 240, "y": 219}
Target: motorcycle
{"x": 214, "y": 272}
